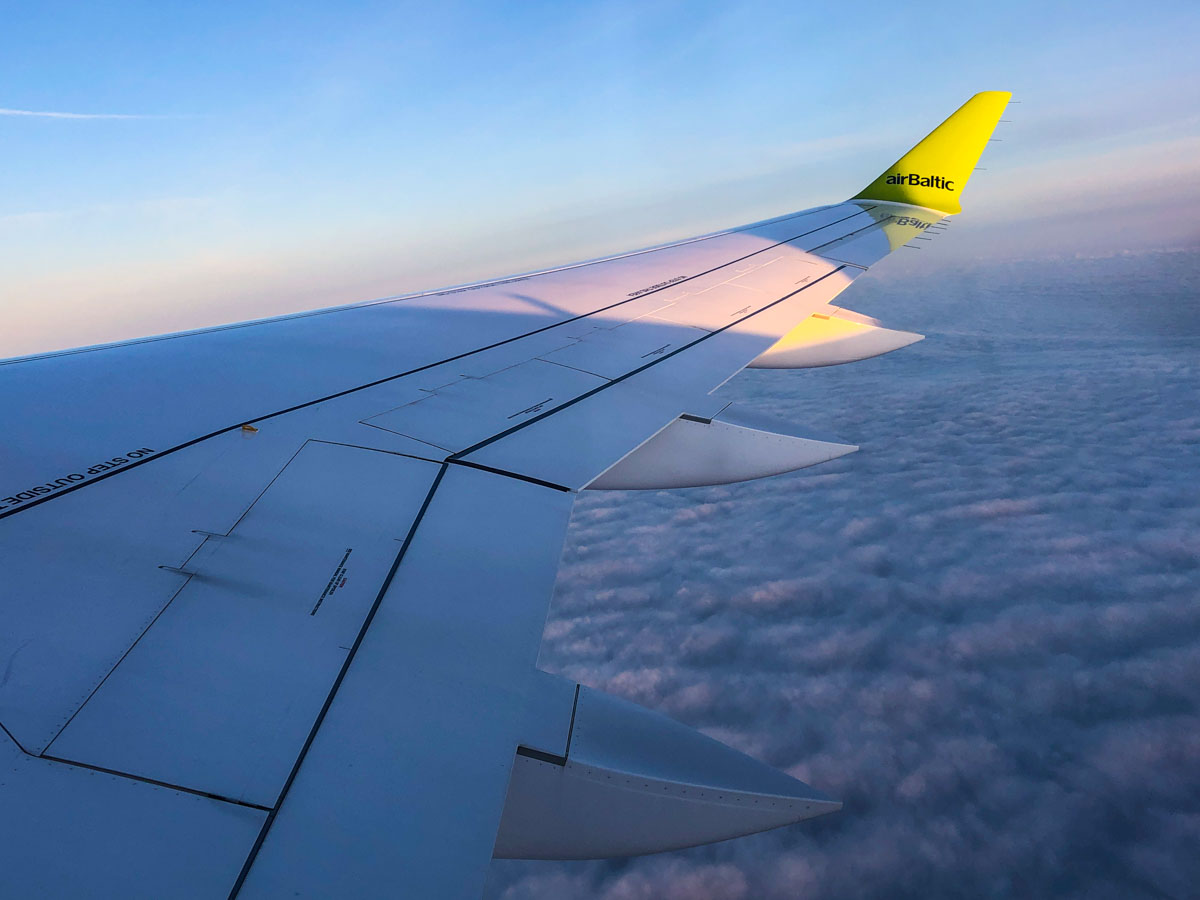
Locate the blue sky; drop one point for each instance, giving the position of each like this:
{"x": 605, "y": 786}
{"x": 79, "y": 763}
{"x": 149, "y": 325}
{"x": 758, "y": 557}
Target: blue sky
{"x": 286, "y": 156}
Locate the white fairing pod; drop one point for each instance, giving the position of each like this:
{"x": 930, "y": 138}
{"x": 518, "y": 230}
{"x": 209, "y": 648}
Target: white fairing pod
{"x": 840, "y": 336}
{"x": 635, "y": 782}
{"x": 731, "y": 446}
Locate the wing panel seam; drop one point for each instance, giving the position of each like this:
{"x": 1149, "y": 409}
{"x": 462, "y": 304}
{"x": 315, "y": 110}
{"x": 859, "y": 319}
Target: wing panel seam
{"x": 154, "y": 781}
{"x": 32, "y": 504}
{"x": 337, "y": 683}
{"x": 398, "y": 298}
{"x": 457, "y": 457}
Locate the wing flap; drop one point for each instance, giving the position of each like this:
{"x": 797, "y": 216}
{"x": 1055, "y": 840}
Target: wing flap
{"x": 211, "y": 697}
{"x": 436, "y": 699}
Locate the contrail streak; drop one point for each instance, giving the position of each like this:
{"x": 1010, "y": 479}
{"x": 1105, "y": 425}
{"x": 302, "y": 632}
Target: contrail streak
{"x": 71, "y": 115}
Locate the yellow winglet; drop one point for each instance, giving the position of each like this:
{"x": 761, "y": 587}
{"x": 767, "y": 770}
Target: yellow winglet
{"x": 933, "y": 173}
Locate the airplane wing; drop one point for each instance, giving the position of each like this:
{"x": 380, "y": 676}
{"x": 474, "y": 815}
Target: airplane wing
{"x": 273, "y": 593}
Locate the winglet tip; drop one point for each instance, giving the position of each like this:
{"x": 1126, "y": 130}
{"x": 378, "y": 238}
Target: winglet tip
{"x": 933, "y": 173}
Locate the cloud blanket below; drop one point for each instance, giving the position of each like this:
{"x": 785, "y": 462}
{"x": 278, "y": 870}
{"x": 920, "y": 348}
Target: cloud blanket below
{"x": 982, "y": 631}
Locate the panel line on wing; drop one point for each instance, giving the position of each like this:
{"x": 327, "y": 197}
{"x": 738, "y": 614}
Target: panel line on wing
{"x": 847, "y": 263}
{"x": 262, "y": 835}
{"x": 508, "y": 474}
{"x": 136, "y": 463}
{"x": 457, "y": 457}
{"x": 877, "y": 224}
{"x": 164, "y": 784}
{"x": 208, "y": 537}
{"x": 13, "y": 738}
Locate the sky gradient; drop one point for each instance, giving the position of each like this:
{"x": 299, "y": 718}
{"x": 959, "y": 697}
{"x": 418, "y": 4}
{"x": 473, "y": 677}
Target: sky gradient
{"x": 218, "y": 165}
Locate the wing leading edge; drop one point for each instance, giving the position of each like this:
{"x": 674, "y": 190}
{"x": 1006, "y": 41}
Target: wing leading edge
{"x": 273, "y": 628}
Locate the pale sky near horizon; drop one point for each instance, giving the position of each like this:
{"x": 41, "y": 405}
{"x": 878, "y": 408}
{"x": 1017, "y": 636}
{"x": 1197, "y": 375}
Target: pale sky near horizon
{"x": 173, "y": 166}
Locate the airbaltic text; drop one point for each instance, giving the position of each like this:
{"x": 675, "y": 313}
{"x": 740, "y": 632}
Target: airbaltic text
{"x": 914, "y": 180}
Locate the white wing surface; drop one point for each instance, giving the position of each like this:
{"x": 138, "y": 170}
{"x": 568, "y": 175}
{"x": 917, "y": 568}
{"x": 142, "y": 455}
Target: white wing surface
{"x": 274, "y": 592}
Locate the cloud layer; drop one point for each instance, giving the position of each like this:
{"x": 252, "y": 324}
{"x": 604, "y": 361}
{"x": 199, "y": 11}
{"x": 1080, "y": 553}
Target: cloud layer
{"x": 982, "y": 631}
